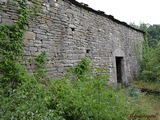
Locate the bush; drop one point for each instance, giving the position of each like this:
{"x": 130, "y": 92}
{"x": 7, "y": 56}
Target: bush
{"x": 133, "y": 92}
{"x": 28, "y": 102}
{"x": 151, "y": 65}
{"x": 88, "y": 96}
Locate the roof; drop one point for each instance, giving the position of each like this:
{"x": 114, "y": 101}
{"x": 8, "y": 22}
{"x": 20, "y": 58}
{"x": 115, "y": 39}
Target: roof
{"x": 85, "y": 6}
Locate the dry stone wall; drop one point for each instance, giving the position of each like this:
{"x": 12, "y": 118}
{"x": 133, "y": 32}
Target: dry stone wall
{"x": 68, "y": 31}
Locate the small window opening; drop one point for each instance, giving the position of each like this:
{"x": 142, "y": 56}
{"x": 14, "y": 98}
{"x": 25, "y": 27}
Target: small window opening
{"x": 73, "y": 29}
{"x": 88, "y": 51}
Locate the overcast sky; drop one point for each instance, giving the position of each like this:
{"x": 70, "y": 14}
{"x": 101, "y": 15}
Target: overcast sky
{"x": 146, "y": 11}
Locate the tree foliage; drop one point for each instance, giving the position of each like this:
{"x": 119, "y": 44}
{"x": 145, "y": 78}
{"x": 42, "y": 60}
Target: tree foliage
{"x": 150, "y": 68}
{"x": 152, "y": 32}
{"x": 151, "y": 64}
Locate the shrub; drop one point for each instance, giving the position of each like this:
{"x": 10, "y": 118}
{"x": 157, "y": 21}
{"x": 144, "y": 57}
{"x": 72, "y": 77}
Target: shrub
{"x": 151, "y": 65}
{"x": 133, "y": 92}
{"x": 88, "y": 97}
{"x": 28, "y": 101}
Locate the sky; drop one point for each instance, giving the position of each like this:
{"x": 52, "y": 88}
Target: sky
{"x": 137, "y": 11}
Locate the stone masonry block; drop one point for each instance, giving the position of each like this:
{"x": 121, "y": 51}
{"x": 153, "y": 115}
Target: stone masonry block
{"x": 7, "y": 21}
{"x": 29, "y": 35}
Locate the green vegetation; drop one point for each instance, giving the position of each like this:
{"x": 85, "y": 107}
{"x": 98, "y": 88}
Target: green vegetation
{"x": 41, "y": 73}
{"x": 149, "y": 77}
{"x": 152, "y": 33}
{"x": 88, "y": 96}
{"x": 83, "y": 94}
{"x": 151, "y": 64}
{"x": 11, "y": 49}
{"x": 150, "y": 67}
{"x": 149, "y": 104}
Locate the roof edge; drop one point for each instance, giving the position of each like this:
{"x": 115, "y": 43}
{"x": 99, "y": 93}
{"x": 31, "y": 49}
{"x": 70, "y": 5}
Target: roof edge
{"x": 85, "y": 6}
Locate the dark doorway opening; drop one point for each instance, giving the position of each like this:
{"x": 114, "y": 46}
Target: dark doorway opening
{"x": 119, "y": 68}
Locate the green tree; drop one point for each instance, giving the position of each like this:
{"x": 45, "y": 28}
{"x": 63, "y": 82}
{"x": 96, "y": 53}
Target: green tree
{"x": 151, "y": 52}
{"x": 152, "y": 32}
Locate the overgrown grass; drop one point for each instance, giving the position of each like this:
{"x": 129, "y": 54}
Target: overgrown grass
{"x": 154, "y": 103}
{"x": 146, "y": 106}
{"x": 145, "y": 103}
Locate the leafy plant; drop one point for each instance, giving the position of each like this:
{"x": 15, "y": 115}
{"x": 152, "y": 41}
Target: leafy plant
{"x": 133, "y": 92}
{"x": 28, "y": 102}
{"x": 151, "y": 65}
{"x": 41, "y": 73}
{"x": 88, "y": 97}
{"x": 11, "y": 49}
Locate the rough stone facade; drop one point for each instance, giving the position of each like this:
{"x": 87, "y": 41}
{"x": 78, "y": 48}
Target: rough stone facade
{"x": 68, "y": 31}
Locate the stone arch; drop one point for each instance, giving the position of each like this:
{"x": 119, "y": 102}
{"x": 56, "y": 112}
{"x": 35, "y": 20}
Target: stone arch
{"x": 118, "y": 52}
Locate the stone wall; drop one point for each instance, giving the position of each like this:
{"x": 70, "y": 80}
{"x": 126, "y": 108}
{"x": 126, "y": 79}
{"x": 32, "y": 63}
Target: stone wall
{"x": 68, "y": 31}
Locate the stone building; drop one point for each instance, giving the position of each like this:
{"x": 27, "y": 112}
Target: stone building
{"x": 68, "y": 31}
